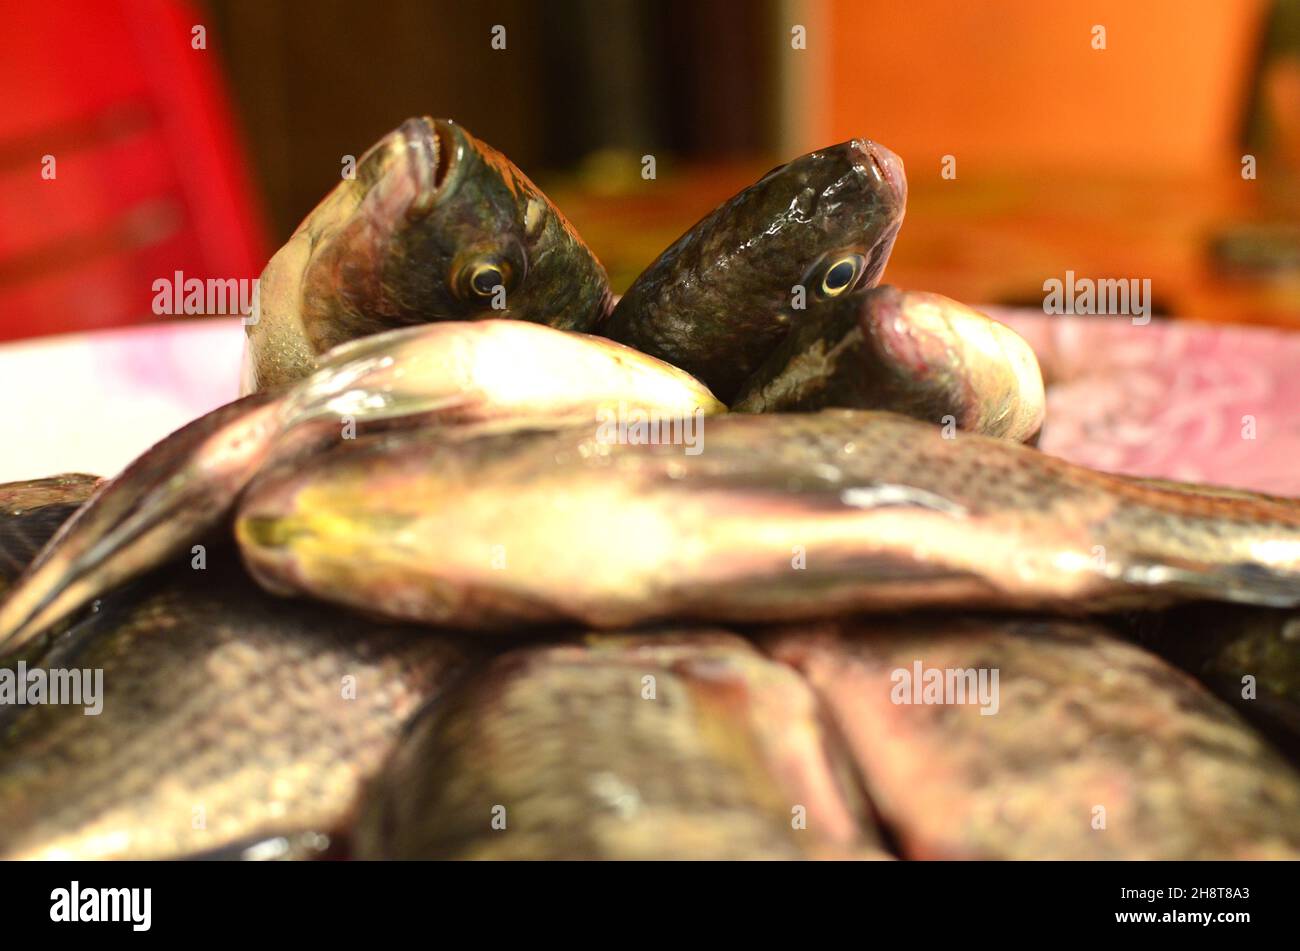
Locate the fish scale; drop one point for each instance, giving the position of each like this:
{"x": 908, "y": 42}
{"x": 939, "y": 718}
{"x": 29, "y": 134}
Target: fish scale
{"x": 219, "y": 698}
{"x": 566, "y": 750}
{"x": 1085, "y": 722}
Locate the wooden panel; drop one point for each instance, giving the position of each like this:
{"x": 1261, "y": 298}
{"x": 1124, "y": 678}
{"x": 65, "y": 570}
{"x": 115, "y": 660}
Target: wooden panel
{"x": 317, "y": 81}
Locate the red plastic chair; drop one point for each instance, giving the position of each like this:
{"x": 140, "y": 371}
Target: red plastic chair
{"x": 149, "y": 176}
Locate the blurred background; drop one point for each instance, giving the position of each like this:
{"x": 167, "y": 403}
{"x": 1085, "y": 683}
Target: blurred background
{"x": 1122, "y": 161}
{"x": 1157, "y": 140}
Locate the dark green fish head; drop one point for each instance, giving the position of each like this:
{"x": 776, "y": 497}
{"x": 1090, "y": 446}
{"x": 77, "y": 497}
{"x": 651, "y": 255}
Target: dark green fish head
{"x": 721, "y": 298}
{"x": 436, "y": 225}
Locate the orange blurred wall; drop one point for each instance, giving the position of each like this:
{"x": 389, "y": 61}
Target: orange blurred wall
{"x": 1018, "y": 81}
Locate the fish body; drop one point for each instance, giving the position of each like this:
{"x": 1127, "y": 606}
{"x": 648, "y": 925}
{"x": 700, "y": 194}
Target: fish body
{"x": 777, "y": 516}
{"x": 911, "y": 352}
{"x": 226, "y": 715}
{"x": 435, "y": 225}
{"x": 1087, "y": 747}
{"x": 718, "y": 301}
{"x": 685, "y": 743}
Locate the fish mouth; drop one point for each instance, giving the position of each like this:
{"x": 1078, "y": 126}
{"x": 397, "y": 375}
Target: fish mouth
{"x": 883, "y": 165}
{"x": 432, "y": 151}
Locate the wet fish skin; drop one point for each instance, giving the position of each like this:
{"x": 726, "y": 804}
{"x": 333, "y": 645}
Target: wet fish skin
{"x": 583, "y": 757}
{"x": 401, "y": 243}
{"x": 488, "y": 373}
{"x": 719, "y": 299}
{"x": 31, "y": 512}
{"x": 910, "y": 352}
{"x": 287, "y": 845}
{"x": 1084, "y": 721}
{"x": 1223, "y": 644}
{"x": 785, "y": 516}
{"x": 484, "y": 375}
{"x": 222, "y": 707}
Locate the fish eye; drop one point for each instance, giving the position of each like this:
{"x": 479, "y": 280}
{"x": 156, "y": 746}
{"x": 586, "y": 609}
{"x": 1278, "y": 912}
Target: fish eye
{"x": 485, "y": 278}
{"x": 841, "y": 275}
{"x": 476, "y": 273}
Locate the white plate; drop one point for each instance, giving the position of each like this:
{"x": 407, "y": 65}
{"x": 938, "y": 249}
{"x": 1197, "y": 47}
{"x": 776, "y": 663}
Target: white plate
{"x": 93, "y": 402}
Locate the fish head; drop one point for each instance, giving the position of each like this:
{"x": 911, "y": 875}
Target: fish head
{"x": 726, "y": 293}
{"x": 843, "y": 207}
{"x": 435, "y": 225}
{"x": 477, "y": 239}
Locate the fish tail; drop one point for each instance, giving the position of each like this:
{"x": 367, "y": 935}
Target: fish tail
{"x": 1209, "y": 542}
{"x": 159, "y": 504}
{"x": 1243, "y": 582}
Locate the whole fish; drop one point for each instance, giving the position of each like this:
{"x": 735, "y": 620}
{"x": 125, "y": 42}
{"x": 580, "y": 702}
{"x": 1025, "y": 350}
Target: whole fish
{"x": 910, "y": 352}
{"x": 435, "y": 225}
{"x": 987, "y": 738}
{"x": 656, "y": 746}
{"x": 491, "y": 374}
{"x": 226, "y": 716}
{"x": 777, "y": 516}
{"x": 721, "y": 298}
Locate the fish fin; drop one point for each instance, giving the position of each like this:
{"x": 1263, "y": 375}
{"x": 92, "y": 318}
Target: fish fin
{"x": 169, "y": 496}
{"x": 1239, "y": 582}
{"x": 285, "y": 847}
{"x": 23, "y": 536}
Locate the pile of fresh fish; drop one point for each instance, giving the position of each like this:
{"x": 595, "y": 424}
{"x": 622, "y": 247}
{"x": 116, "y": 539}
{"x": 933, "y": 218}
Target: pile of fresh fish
{"x": 447, "y": 581}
